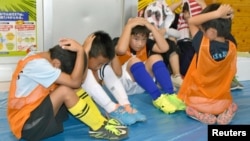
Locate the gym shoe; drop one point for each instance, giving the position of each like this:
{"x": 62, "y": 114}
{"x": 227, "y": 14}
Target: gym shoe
{"x": 176, "y": 80}
{"x": 110, "y": 132}
{"x": 164, "y": 105}
{"x": 124, "y": 117}
{"x": 236, "y": 85}
{"x": 180, "y": 105}
{"x": 227, "y": 116}
{"x": 202, "y": 117}
{"x": 139, "y": 116}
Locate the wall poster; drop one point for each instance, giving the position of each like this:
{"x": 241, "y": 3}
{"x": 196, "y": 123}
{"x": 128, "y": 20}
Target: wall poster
{"x": 18, "y": 29}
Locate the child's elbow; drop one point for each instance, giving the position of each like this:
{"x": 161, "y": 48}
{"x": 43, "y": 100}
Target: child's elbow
{"x": 165, "y": 49}
{"x": 119, "y": 74}
{"x": 76, "y": 84}
{"x": 120, "y": 52}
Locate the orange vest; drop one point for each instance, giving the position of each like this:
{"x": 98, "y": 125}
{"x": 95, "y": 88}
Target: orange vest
{"x": 19, "y": 109}
{"x": 206, "y": 87}
{"x": 142, "y": 55}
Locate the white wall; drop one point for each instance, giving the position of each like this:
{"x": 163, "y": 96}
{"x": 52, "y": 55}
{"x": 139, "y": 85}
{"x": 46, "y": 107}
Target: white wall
{"x": 79, "y": 18}
{"x": 243, "y": 68}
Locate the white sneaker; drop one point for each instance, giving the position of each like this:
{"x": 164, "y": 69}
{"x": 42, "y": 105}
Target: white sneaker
{"x": 176, "y": 80}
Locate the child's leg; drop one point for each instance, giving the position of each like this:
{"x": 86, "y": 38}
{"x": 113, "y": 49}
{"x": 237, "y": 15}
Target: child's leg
{"x": 102, "y": 98}
{"x": 49, "y": 112}
{"x": 100, "y": 127}
{"x": 78, "y": 107}
{"x": 87, "y": 112}
{"x": 143, "y": 78}
{"x": 187, "y": 53}
{"x": 175, "y": 65}
{"x": 162, "y": 76}
{"x": 84, "y": 95}
{"x": 94, "y": 89}
{"x": 115, "y": 86}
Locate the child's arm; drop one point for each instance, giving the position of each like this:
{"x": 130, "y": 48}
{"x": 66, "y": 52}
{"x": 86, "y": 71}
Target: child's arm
{"x": 87, "y": 46}
{"x": 116, "y": 66}
{"x": 123, "y": 42}
{"x": 224, "y": 11}
{"x": 74, "y": 80}
{"x": 160, "y": 45}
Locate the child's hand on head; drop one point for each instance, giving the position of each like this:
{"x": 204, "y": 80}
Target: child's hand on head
{"x": 225, "y": 11}
{"x": 88, "y": 43}
{"x": 132, "y": 22}
{"x": 149, "y": 25}
{"x": 70, "y": 44}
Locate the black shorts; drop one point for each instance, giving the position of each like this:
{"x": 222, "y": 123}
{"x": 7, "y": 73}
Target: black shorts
{"x": 42, "y": 123}
{"x": 173, "y": 47}
{"x": 186, "y": 55}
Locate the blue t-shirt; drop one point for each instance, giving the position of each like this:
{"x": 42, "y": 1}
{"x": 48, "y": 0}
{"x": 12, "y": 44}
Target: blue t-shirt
{"x": 37, "y": 71}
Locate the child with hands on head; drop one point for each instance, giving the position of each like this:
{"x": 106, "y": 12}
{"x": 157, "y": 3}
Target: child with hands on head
{"x": 101, "y": 62}
{"x": 206, "y": 86}
{"x": 44, "y": 88}
{"x": 143, "y": 72}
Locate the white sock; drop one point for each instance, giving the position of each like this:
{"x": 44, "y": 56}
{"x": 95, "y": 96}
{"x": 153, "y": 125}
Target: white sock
{"x": 114, "y": 85}
{"x": 96, "y": 91}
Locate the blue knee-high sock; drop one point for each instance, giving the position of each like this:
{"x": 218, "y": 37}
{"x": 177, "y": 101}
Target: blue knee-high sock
{"x": 143, "y": 78}
{"x": 162, "y": 76}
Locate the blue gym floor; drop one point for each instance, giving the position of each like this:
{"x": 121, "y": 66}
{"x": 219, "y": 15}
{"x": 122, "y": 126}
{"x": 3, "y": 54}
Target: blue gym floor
{"x": 159, "y": 126}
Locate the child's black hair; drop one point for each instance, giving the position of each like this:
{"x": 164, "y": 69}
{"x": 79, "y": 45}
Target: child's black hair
{"x": 102, "y": 45}
{"x": 66, "y": 57}
{"x": 139, "y": 29}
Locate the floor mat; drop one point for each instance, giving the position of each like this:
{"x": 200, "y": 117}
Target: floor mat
{"x": 159, "y": 126}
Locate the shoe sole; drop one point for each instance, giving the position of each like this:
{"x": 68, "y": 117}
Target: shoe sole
{"x": 125, "y": 137}
{"x": 237, "y": 88}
